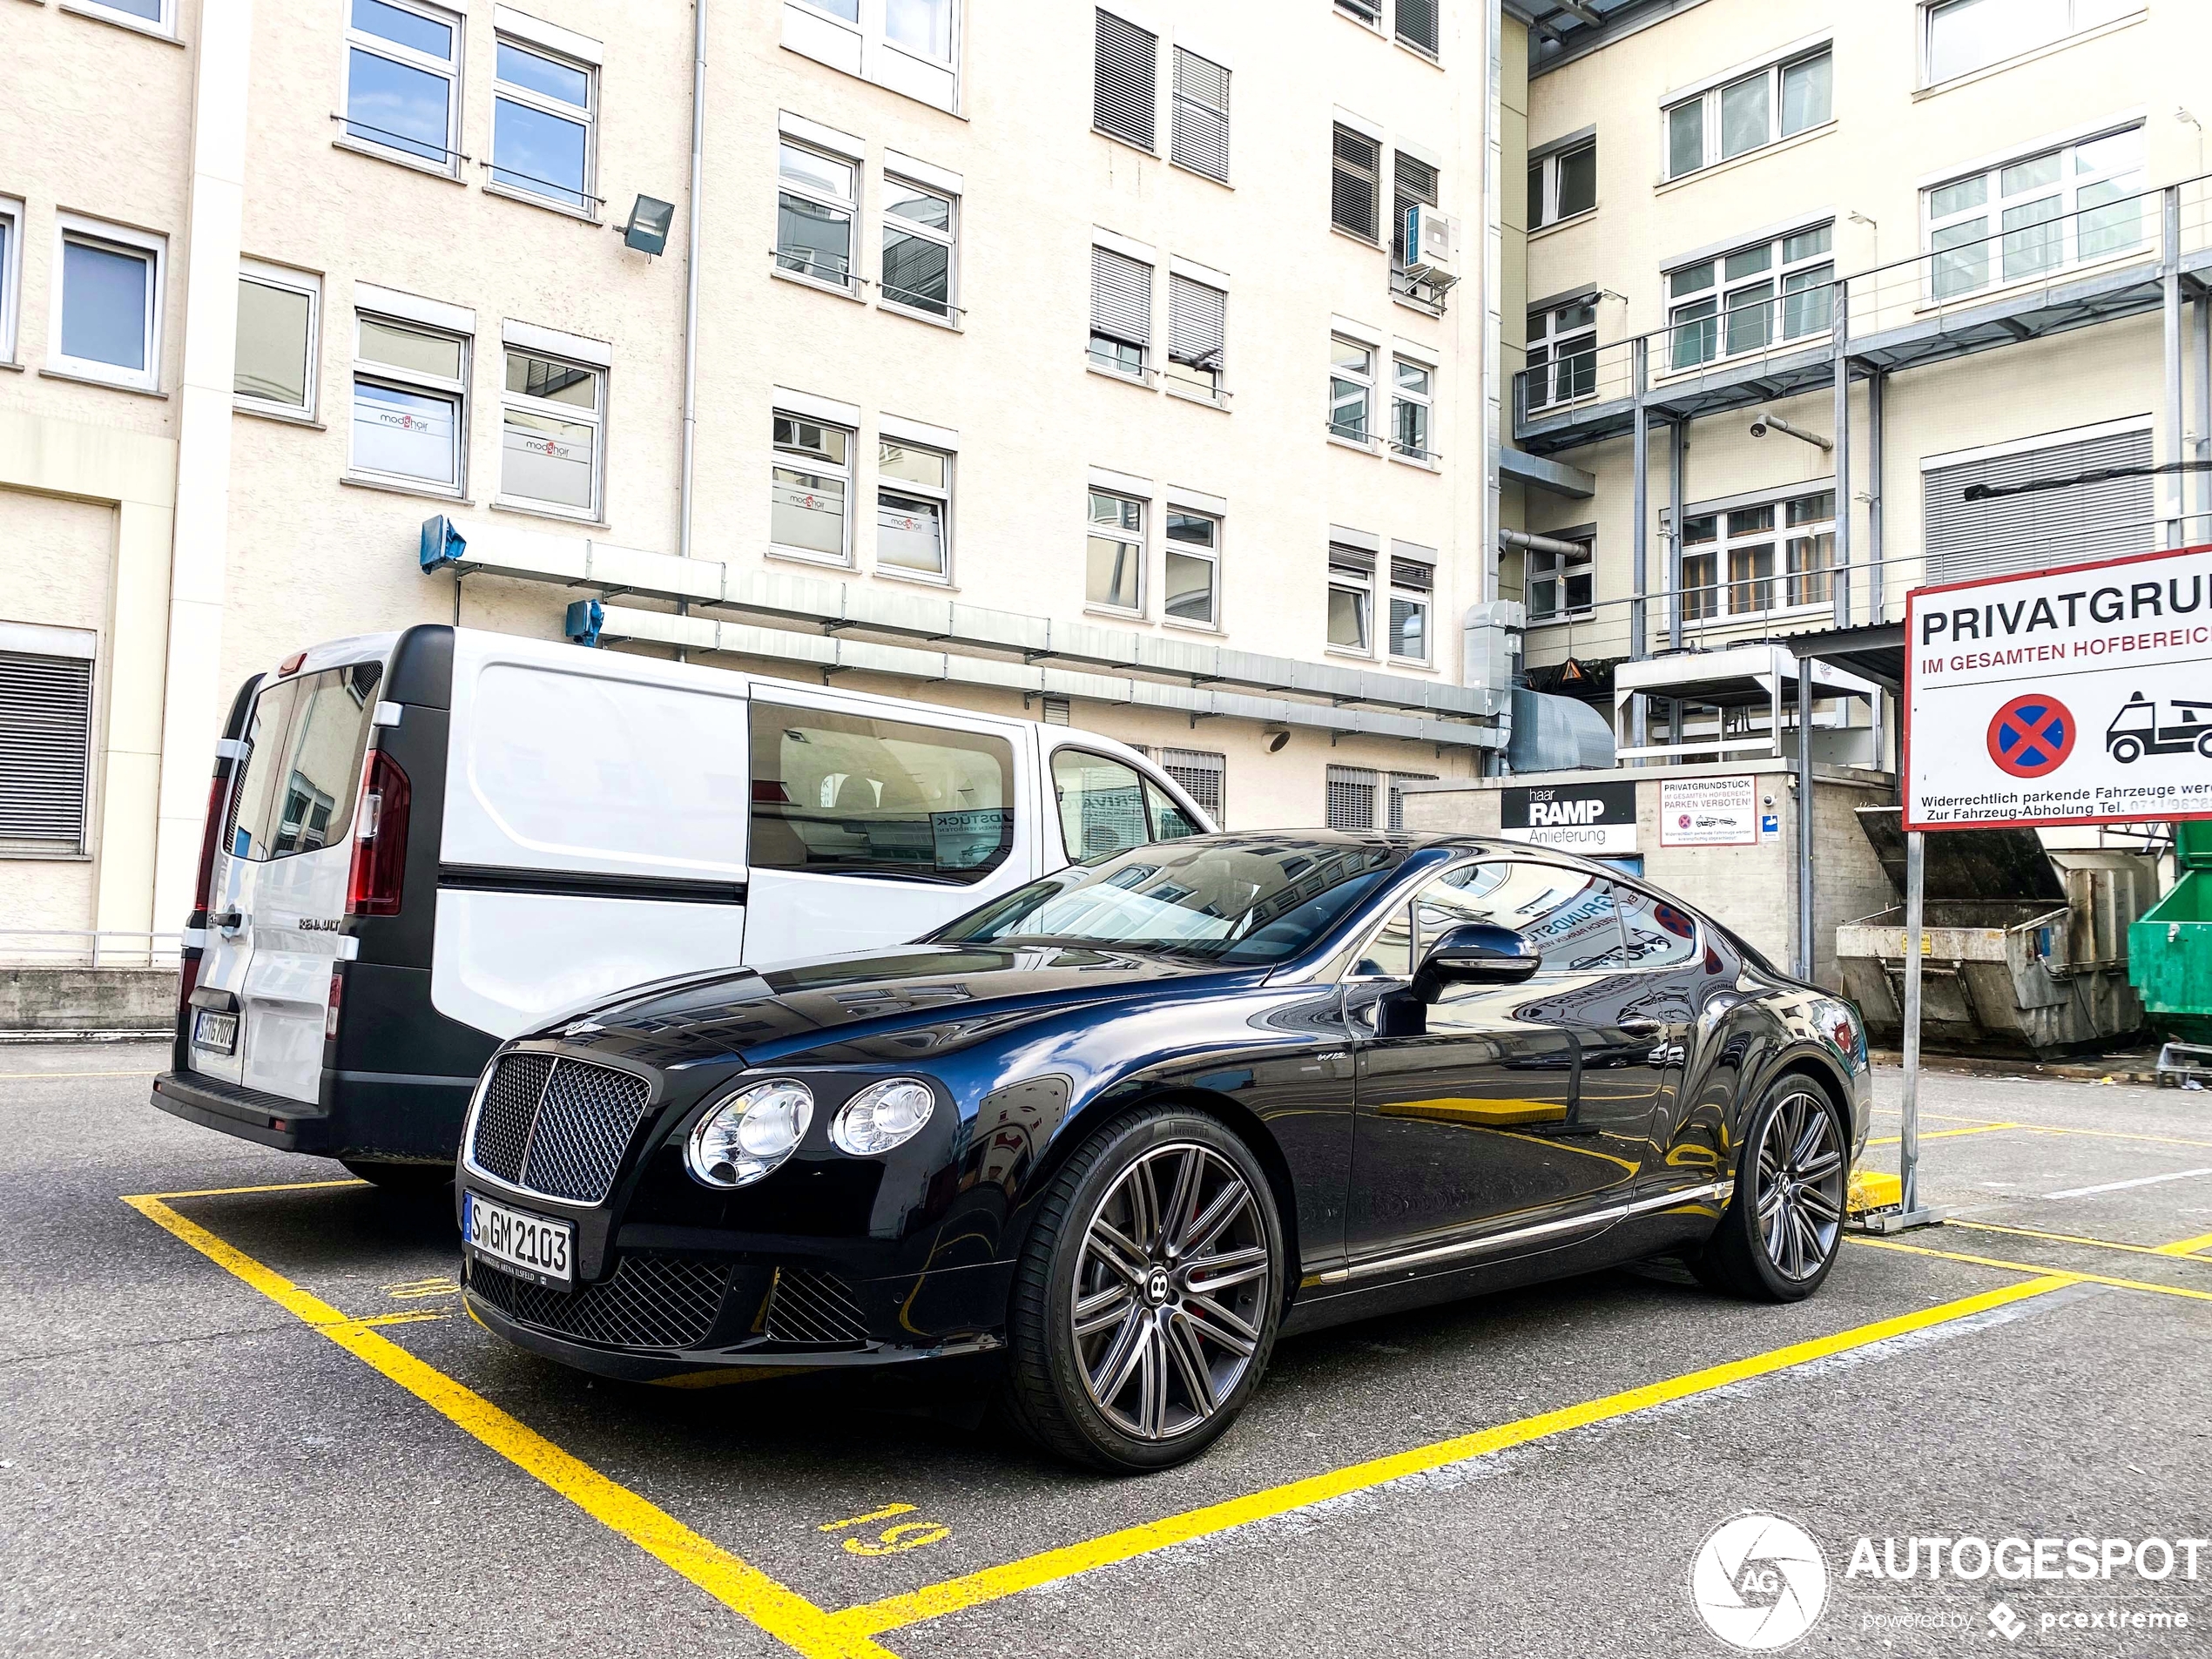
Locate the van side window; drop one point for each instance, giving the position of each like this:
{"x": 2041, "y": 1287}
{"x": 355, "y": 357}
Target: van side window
{"x": 848, "y": 794}
{"x": 1169, "y": 821}
{"x": 1103, "y": 806}
{"x": 302, "y": 766}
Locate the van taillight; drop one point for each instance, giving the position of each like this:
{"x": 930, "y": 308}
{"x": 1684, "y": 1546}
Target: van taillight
{"x": 204, "y": 895}
{"x": 380, "y": 840}
{"x": 330, "y": 1013}
{"x": 188, "y": 980}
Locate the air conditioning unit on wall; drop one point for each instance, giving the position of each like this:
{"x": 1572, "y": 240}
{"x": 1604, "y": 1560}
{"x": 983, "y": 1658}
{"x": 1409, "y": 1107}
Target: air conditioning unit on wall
{"x": 1432, "y": 245}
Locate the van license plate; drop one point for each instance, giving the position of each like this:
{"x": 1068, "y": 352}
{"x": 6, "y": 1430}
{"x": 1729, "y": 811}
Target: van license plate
{"x": 531, "y": 1246}
{"x": 216, "y": 1032}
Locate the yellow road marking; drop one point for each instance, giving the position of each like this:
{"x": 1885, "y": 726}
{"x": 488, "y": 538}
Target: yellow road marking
{"x": 225, "y": 1192}
{"x": 399, "y": 1318}
{"x": 2077, "y": 1238}
{"x": 2112, "y": 1134}
{"x": 2030, "y": 1267}
{"x": 884, "y": 1514}
{"x": 1945, "y": 1134}
{"x": 873, "y": 1618}
{"x": 738, "y": 1586}
{"x": 21, "y": 1076}
{"x": 2187, "y": 1246}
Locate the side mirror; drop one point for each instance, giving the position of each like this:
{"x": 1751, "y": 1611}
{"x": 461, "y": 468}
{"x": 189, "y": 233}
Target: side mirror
{"x": 1479, "y": 952}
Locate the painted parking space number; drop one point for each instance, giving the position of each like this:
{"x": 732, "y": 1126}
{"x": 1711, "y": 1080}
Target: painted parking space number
{"x": 893, "y": 1539}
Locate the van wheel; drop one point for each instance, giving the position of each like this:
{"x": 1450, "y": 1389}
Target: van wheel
{"x": 1145, "y": 1302}
{"x": 2127, "y": 751}
{"x": 406, "y": 1180}
{"x": 1784, "y": 1225}
{"x": 2204, "y": 746}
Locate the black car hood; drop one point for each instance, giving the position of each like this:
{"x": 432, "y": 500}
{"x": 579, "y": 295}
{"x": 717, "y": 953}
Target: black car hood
{"x": 867, "y": 1006}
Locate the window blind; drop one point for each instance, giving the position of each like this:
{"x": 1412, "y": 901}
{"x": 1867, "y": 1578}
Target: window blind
{"x": 1351, "y": 797}
{"x": 1121, "y": 297}
{"x": 45, "y": 746}
{"x": 1352, "y": 186}
{"x": 1200, "y": 140}
{"x": 1416, "y": 182}
{"x": 1125, "y": 95}
{"x": 1967, "y": 539}
{"x": 1342, "y": 558}
{"x": 1198, "y": 322}
{"x": 1411, "y": 573}
{"x": 1417, "y": 26}
{"x": 1399, "y": 779}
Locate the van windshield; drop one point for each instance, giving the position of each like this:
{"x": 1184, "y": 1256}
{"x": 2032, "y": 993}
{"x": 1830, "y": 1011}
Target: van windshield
{"x": 1240, "y": 899}
{"x": 302, "y": 765}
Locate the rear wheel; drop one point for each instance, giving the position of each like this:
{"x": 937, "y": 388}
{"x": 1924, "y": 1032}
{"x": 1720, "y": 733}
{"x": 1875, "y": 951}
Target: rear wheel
{"x": 1782, "y": 1230}
{"x": 406, "y": 1180}
{"x": 1146, "y": 1299}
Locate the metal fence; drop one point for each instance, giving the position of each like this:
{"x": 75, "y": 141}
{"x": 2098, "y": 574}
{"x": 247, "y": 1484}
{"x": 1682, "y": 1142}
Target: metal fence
{"x": 87, "y": 948}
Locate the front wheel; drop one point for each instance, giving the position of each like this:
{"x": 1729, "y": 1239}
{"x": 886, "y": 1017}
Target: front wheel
{"x": 1782, "y": 1230}
{"x": 2127, "y": 751}
{"x": 1146, "y": 1300}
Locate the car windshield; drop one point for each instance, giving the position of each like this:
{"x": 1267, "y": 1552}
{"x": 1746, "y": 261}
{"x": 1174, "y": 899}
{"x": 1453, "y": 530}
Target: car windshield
{"x": 1241, "y": 900}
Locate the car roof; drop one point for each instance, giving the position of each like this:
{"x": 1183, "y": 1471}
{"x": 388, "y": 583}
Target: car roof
{"x": 1405, "y": 844}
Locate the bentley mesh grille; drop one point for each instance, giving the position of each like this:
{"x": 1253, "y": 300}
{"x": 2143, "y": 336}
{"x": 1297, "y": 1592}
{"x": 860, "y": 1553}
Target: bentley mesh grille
{"x": 559, "y": 1126}
{"x": 813, "y": 1307}
{"x": 654, "y": 1301}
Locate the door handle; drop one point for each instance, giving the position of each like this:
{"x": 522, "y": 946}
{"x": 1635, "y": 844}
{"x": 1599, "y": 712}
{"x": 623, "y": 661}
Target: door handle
{"x": 229, "y": 923}
{"x": 1644, "y": 1028}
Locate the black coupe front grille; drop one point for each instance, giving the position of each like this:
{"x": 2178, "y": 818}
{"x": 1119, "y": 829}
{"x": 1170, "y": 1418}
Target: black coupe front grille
{"x": 654, "y": 1301}
{"x": 557, "y": 1126}
{"x": 816, "y": 1308}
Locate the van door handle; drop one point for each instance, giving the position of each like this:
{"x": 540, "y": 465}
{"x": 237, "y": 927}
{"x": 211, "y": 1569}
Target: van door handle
{"x": 229, "y": 923}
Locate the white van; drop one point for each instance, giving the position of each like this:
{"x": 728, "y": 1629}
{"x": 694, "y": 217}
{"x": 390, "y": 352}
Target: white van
{"x": 423, "y": 843}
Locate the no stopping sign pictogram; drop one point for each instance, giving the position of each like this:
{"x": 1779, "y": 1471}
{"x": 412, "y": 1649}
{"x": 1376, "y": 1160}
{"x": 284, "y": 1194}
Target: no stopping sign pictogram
{"x": 2032, "y": 735}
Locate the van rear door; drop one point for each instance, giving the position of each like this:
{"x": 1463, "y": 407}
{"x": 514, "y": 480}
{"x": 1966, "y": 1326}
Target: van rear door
{"x": 273, "y": 932}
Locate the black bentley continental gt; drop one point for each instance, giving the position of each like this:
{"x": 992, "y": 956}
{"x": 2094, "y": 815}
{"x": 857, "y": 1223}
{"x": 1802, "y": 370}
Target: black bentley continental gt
{"x": 1134, "y": 1122}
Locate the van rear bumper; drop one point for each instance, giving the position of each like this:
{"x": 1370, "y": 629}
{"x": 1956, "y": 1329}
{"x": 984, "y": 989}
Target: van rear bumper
{"x": 250, "y": 1114}
{"x": 360, "y": 1114}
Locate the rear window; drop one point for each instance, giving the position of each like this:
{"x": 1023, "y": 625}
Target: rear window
{"x": 848, "y": 794}
{"x": 302, "y": 765}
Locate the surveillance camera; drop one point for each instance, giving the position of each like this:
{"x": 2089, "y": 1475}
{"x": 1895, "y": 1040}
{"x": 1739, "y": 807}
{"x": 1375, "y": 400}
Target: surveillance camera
{"x": 1759, "y": 427}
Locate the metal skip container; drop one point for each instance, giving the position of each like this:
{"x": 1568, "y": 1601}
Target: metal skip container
{"x": 2026, "y": 949}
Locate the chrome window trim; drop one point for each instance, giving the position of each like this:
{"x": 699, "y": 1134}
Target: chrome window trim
{"x": 1715, "y": 1192}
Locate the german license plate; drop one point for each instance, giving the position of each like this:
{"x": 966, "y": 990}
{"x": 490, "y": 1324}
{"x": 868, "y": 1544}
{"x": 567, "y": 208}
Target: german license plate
{"x": 532, "y": 1246}
{"x": 217, "y": 1032}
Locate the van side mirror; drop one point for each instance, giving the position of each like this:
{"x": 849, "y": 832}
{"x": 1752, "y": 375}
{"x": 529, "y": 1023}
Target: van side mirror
{"x": 1479, "y": 952}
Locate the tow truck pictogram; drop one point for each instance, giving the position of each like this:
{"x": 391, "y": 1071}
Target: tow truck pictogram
{"x": 2136, "y": 730}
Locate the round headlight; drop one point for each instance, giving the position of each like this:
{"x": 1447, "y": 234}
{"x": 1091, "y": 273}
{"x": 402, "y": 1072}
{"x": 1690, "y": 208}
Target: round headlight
{"x": 883, "y": 1116}
{"x": 748, "y": 1135}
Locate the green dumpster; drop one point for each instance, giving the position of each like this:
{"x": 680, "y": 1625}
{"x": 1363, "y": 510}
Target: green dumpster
{"x": 2169, "y": 958}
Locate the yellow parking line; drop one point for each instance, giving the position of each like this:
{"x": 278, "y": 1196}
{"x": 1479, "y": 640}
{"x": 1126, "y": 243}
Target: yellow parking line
{"x": 225, "y": 1192}
{"x": 2187, "y": 1246}
{"x": 873, "y": 1618}
{"x": 1945, "y": 1133}
{"x": 2030, "y": 1267}
{"x": 738, "y": 1586}
{"x": 2112, "y": 1134}
{"x": 2077, "y": 1238}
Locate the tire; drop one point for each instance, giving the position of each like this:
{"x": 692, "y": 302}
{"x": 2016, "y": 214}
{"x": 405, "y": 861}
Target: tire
{"x": 402, "y": 1180}
{"x": 2127, "y": 751}
{"x": 1771, "y": 1249}
{"x": 2204, "y": 746}
{"x": 1174, "y": 1340}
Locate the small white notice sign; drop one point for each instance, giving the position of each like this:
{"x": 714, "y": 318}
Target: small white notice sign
{"x": 1709, "y": 812}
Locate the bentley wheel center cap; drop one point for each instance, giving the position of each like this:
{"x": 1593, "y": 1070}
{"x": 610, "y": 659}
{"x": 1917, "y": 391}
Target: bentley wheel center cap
{"x": 1156, "y": 1286}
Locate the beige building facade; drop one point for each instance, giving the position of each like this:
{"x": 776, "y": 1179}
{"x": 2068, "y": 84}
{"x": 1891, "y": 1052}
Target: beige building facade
{"x": 1076, "y": 353}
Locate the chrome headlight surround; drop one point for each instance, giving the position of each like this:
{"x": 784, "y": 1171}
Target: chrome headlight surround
{"x": 746, "y": 1135}
{"x": 883, "y": 1116}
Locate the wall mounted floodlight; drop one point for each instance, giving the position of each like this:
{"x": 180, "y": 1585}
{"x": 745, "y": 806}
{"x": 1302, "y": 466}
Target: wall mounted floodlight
{"x": 647, "y": 231}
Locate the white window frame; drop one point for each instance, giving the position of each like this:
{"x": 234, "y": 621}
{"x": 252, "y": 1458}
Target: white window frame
{"x": 1361, "y": 380}
{"x": 1348, "y": 577}
{"x": 786, "y": 185}
{"x": 165, "y": 25}
{"x": 450, "y": 69}
{"x": 1557, "y": 345}
{"x": 1556, "y": 570}
{"x": 543, "y": 191}
{"x": 943, "y": 497}
{"x": 1924, "y": 33}
{"x": 783, "y": 460}
{"x": 1991, "y": 249}
{"x": 595, "y": 417}
{"x": 1179, "y": 124}
{"x": 1209, "y": 556}
{"x": 92, "y": 232}
{"x": 1209, "y": 384}
{"x": 1544, "y": 201}
{"x": 1137, "y": 544}
{"x": 1408, "y": 589}
{"x": 11, "y": 216}
{"x": 300, "y": 282}
{"x": 949, "y": 239}
{"x": 1422, "y": 398}
{"x": 1710, "y": 100}
{"x": 1790, "y": 588}
{"x": 409, "y": 380}
{"x": 1113, "y": 362}
{"x": 1775, "y": 310}
{"x": 864, "y": 54}
{"x": 1368, "y": 14}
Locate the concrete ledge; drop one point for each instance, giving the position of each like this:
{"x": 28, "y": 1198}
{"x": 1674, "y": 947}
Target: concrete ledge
{"x": 87, "y": 998}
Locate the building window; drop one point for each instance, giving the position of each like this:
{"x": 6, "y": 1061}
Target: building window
{"x": 1367, "y": 11}
{"x": 1201, "y": 775}
{"x": 1193, "y": 568}
{"x": 1121, "y": 312}
{"x": 919, "y": 234}
{"x": 45, "y": 738}
{"x": 541, "y": 126}
{"x": 160, "y": 14}
{"x": 403, "y": 68}
{"x": 1958, "y": 37}
{"x": 1558, "y": 584}
{"x": 923, "y": 27}
{"x": 913, "y": 508}
{"x": 1746, "y": 301}
{"x": 278, "y": 315}
{"x": 1126, "y": 101}
{"x": 1351, "y": 797}
{"x": 1416, "y": 182}
{"x": 108, "y": 300}
{"x": 1197, "y": 333}
{"x": 10, "y": 275}
{"x": 1417, "y": 21}
{"x": 1757, "y": 109}
{"x": 1353, "y": 194}
{"x": 410, "y": 404}
{"x": 1562, "y": 353}
{"x": 1412, "y": 584}
{"x": 1409, "y": 411}
{"x": 2029, "y": 217}
{"x": 552, "y": 416}
{"x": 1563, "y": 185}
{"x": 1749, "y": 561}
{"x": 810, "y": 490}
{"x": 1200, "y": 137}
{"x": 1352, "y": 599}
{"x": 1352, "y": 388}
{"x": 1965, "y": 539}
{"x": 1114, "y": 559}
{"x": 1397, "y": 782}
{"x": 815, "y": 197}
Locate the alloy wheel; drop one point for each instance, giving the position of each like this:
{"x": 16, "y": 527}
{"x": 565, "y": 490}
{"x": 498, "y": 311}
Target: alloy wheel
{"x": 1170, "y": 1293}
{"x": 1801, "y": 1185}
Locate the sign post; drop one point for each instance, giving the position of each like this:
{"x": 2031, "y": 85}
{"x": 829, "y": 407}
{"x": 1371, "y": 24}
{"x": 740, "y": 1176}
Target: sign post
{"x": 2078, "y": 696}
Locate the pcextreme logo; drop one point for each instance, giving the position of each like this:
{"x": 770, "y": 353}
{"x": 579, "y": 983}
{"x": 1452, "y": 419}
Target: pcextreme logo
{"x": 1758, "y": 1582}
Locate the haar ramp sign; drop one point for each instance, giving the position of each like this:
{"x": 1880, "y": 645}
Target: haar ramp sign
{"x": 2077, "y": 695}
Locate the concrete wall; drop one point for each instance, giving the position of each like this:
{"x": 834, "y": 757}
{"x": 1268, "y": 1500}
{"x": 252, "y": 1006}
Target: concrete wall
{"x": 87, "y": 998}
